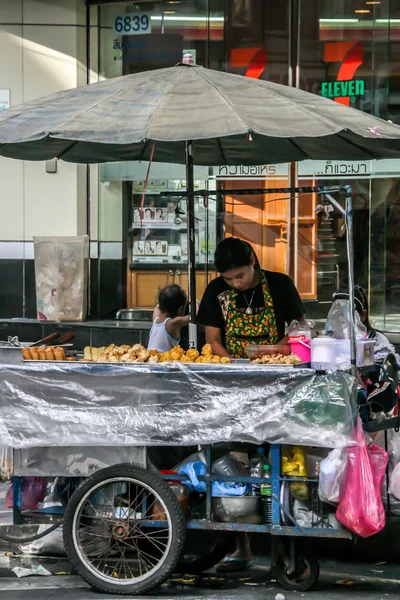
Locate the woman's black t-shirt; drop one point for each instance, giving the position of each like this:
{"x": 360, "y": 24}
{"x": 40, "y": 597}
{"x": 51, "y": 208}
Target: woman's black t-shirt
{"x": 285, "y": 297}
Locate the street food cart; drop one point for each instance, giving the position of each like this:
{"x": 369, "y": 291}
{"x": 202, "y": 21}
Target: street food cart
{"x": 124, "y": 527}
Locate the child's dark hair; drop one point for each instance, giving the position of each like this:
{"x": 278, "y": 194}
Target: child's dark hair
{"x": 171, "y": 299}
{"x": 233, "y": 253}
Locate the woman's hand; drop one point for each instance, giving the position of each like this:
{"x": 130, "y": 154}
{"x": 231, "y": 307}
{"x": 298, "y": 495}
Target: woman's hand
{"x": 214, "y": 337}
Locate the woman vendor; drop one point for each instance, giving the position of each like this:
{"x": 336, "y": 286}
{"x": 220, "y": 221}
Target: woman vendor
{"x": 245, "y": 305}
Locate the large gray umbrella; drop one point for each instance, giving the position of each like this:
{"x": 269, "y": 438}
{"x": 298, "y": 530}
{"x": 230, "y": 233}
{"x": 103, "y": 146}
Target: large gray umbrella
{"x": 231, "y": 120}
{"x": 191, "y": 114}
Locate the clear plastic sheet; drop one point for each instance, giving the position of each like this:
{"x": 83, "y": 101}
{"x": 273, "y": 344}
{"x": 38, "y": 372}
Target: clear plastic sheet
{"x": 77, "y": 404}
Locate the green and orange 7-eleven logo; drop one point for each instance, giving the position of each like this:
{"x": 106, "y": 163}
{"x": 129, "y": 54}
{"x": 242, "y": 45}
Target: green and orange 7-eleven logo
{"x": 349, "y": 54}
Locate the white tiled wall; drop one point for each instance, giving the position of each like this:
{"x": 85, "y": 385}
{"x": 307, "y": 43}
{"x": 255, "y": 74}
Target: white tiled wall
{"x": 42, "y": 51}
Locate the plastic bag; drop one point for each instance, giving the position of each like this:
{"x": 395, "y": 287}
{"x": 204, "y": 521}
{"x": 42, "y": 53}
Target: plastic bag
{"x": 193, "y": 470}
{"x": 332, "y": 476}
{"x": 6, "y": 464}
{"x": 338, "y": 321}
{"x": 394, "y": 487}
{"x": 379, "y": 460}
{"x": 33, "y": 492}
{"x": 294, "y": 465}
{"x": 361, "y": 508}
{"x": 50, "y": 545}
{"x": 221, "y": 488}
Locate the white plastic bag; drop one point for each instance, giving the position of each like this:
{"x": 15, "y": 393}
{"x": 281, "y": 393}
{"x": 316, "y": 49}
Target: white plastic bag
{"x": 394, "y": 487}
{"x": 50, "y": 545}
{"x": 331, "y": 476}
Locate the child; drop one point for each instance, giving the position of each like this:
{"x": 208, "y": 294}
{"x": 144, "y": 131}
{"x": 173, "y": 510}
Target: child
{"x": 168, "y": 319}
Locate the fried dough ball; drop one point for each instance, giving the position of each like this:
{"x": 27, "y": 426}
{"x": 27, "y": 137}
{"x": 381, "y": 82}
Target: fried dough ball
{"x": 165, "y": 357}
{"x": 126, "y": 357}
{"x": 109, "y": 349}
{"x": 143, "y": 356}
{"x": 154, "y": 358}
{"x": 137, "y": 348}
{"x": 216, "y": 359}
{"x": 193, "y": 353}
{"x": 187, "y": 359}
{"x": 225, "y": 360}
{"x": 206, "y": 349}
{"x": 154, "y": 353}
{"x": 199, "y": 360}
{"x": 178, "y": 350}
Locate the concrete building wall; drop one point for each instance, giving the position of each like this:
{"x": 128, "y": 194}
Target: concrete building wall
{"x": 42, "y": 51}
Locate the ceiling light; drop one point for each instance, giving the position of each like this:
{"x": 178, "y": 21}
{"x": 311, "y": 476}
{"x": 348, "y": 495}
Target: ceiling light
{"x": 362, "y": 11}
{"x": 179, "y": 18}
{"x": 339, "y": 20}
{"x": 388, "y": 20}
{"x": 179, "y": 1}
{"x": 374, "y": 2}
{"x": 169, "y": 12}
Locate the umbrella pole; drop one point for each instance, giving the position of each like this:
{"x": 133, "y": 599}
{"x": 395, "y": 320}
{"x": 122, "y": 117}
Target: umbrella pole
{"x": 350, "y": 259}
{"x": 191, "y": 232}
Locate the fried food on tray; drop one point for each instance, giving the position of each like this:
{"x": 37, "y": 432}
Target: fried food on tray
{"x": 225, "y": 360}
{"x": 206, "y": 349}
{"x": 42, "y": 353}
{"x": 26, "y": 355}
{"x": 49, "y": 352}
{"x": 59, "y": 354}
{"x": 34, "y": 354}
{"x": 139, "y": 354}
{"x": 277, "y": 359}
{"x": 87, "y": 353}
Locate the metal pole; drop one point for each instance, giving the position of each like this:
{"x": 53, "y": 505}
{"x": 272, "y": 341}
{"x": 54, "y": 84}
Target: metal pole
{"x": 191, "y": 233}
{"x": 347, "y": 212}
{"x": 350, "y": 259}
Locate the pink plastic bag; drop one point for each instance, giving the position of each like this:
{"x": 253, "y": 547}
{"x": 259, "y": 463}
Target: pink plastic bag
{"x": 33, "y": 492}
{"x": 360, "y": 508}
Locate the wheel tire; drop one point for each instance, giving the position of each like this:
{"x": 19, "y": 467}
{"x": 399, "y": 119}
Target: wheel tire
{"x": 302, "y": 581}
{"x": 22, "y": 538}
{"x": 171, "y": 506}
{"x": 215, "y": 550}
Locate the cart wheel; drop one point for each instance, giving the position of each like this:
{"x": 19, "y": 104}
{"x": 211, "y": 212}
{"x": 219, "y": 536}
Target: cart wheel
{"x": 212, "y": 550}
{"x": 108, "y": 539}
{"x": 303, "y": 579}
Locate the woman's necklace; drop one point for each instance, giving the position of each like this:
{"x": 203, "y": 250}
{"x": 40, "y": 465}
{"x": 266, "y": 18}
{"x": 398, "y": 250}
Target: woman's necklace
{"x": 249, "y": 310}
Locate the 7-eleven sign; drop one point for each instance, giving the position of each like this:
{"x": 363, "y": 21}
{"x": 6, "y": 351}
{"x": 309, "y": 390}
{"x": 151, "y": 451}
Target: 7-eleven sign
{"x": 350, "y": 55}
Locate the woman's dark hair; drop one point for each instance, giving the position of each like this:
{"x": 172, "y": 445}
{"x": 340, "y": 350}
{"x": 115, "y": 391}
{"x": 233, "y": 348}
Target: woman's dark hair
{"x": 233, "y": 253}
{"x": 171, "y": 299}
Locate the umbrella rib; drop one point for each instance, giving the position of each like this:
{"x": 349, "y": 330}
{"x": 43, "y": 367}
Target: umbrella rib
{"x": 296, "y": 145}
{"x": 314, "y": 113}
{"x": 68, "y": 148}
{"x": 166, "y": 90}
{"x": 226, "y": 99}
{"x": 222, "y": 151}
{"x": 368, "y": 154}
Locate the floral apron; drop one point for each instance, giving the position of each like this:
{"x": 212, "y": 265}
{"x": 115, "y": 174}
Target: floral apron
{"x": 242, "y": 329}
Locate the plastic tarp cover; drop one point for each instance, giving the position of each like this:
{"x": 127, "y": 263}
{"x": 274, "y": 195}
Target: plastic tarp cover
{"x": 77, "y": 404}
